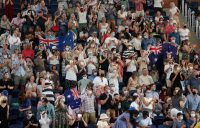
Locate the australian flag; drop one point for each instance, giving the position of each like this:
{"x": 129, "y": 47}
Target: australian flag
{"x": 66, "y": 40}
{"x": 72, "y": 98}
{"x": 155, "y": 51}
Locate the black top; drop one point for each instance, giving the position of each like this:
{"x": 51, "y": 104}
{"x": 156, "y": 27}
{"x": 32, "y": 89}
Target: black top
{"x": 3, "y": 119}
{"x": 105, "y": 64}
{"x": 107, "y": 105}
{"x": 7, "y": 83}
{"x": 78, "y": 124}
{"x": 33, "y": 120}
{"x": 177, "y": 80}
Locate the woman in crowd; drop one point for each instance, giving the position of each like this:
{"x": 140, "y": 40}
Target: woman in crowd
{"x": 130, "y": 65}
{"x": 24, "y": 106}
{"x": 61, "y": 112}
{"x": 5, "y": 24}
{"x": 4, "y": 112}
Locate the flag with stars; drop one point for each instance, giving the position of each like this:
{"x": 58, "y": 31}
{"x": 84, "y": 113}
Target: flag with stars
{"x": 67, "y": 40}
{"x": 72, "y": 98}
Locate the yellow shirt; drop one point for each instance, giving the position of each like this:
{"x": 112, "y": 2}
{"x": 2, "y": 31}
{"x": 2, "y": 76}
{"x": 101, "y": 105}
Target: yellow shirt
{"x": 197, "y": 125}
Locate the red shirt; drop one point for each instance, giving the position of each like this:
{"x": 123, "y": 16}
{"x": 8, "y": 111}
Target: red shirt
{"x": 139, "y": 5}
{"x": 28, "y": 53}
{"x": 169, "y": 29}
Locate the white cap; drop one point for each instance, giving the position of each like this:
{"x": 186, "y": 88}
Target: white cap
{"x": 103, "y": 116}
{"x": 54, "y": 47}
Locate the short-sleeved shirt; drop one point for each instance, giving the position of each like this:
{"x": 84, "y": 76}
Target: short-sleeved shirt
{"x": 107, "y": 105}
{"x": 194, "y": 82}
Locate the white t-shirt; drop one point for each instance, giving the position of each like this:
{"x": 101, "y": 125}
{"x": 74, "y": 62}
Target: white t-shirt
{"x": 54, "y": 61}
{"x": 96, "y": 40}
{"x": 71, "y": 73}
{"x": 146, "y": 80}
{"x": 100, "y": 81}
{"x": 169, "y": 71}
{"x": 145, "y": 122}
{"x": 82, "y": 17}
{"x": 13, "y": 39}
{"x": 135, "y": 105}
{"x": 184, "y": 33}
{"x": 173, "y": 11}
{"x": 111, "y": 42}
{"x": 136, "y": 43}
{"x": 91, "y": 66}
{"x": 45, "y": 122}
{"x": 132, "y": 66}
{"x": 157, "y": 3}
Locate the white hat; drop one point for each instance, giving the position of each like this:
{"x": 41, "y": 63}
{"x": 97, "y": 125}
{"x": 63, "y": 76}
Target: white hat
{"x": 174, "y": 112}
{"x": 103, "y": 116}
{"x": 47, "y": 82}
{"x": 54, "y": 47}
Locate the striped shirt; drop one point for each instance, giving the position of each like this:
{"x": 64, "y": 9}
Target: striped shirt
{"x": 48, "y": 92}
{"x": 126, "y": 53}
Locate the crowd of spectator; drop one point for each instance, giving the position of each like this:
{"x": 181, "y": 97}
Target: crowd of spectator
{"x": 121, "y": 64}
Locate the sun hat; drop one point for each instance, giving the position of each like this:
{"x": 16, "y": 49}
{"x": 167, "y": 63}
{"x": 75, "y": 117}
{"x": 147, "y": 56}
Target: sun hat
{"x": 103, "y": 116}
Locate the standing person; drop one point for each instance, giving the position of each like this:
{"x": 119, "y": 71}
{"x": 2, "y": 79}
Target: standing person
{"x": 46, "y": 111}
{"x": 193, "y": 101}
{"x": 123, "y": 121}
{"x": 103, "y": 121}
{"x": 179, "y": 122}
{"x": 60, "y": 112}
{"x": 9, "y": 9}
{"x": 4, "y": 112}
{"x": 88, "y": 107}
{"x": 82, "y": 84}
{"x": 158, "y": 5}
{"x": 19, "y": 67}
{"x": 105, "y": 100}
{"x": 139, "y": 4}
{"x": 30, "y": 121}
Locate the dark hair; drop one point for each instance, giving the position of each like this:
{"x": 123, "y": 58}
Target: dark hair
{"x": 145, "y": 113}
{"x": 45, "y": 100}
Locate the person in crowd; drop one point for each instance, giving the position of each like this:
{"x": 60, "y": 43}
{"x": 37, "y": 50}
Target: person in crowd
{"x": 193, "y": 101}
{"x": 105, "y": 99}
{"x": 18, "y": 21}
{"x": 25, "y": 105}
{"x": 79, "y": 122}
{"x": 97, "y": 64}
{"x": 82, "y": 84}
{"x": 19, "y": 69}
{"x": 4, "y": 111}
{"x": 30, "y": 120}
{"x": 145, "y": 79}
{"x": 46, "y": 113}
{"x": 124, "y": 120}
{"x": 60, "y": 112}
{"x": 5, "y": 24}
{"x": 103, "y": 121}
{"x": 88, "y": 106}
{"x": 145, "y": 120}
{"x": 179, "y": 122}
{"x": 193, "y": 81}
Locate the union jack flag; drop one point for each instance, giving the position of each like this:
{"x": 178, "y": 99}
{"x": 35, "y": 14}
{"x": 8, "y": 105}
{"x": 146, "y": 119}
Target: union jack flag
{"x": 156, "y": 49}
{"x": 49, "y": 41}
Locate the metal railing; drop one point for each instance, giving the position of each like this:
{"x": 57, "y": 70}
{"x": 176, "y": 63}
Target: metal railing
{"x": 190, "y": 19}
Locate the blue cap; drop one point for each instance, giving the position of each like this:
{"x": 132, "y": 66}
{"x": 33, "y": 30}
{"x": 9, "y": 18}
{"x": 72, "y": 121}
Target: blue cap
{"x": 5, "y": 92}
{"x": 131, "y": 108}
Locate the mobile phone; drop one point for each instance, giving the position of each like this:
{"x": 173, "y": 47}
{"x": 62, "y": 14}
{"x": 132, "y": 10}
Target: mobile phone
{"x": 79, "y": 115}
